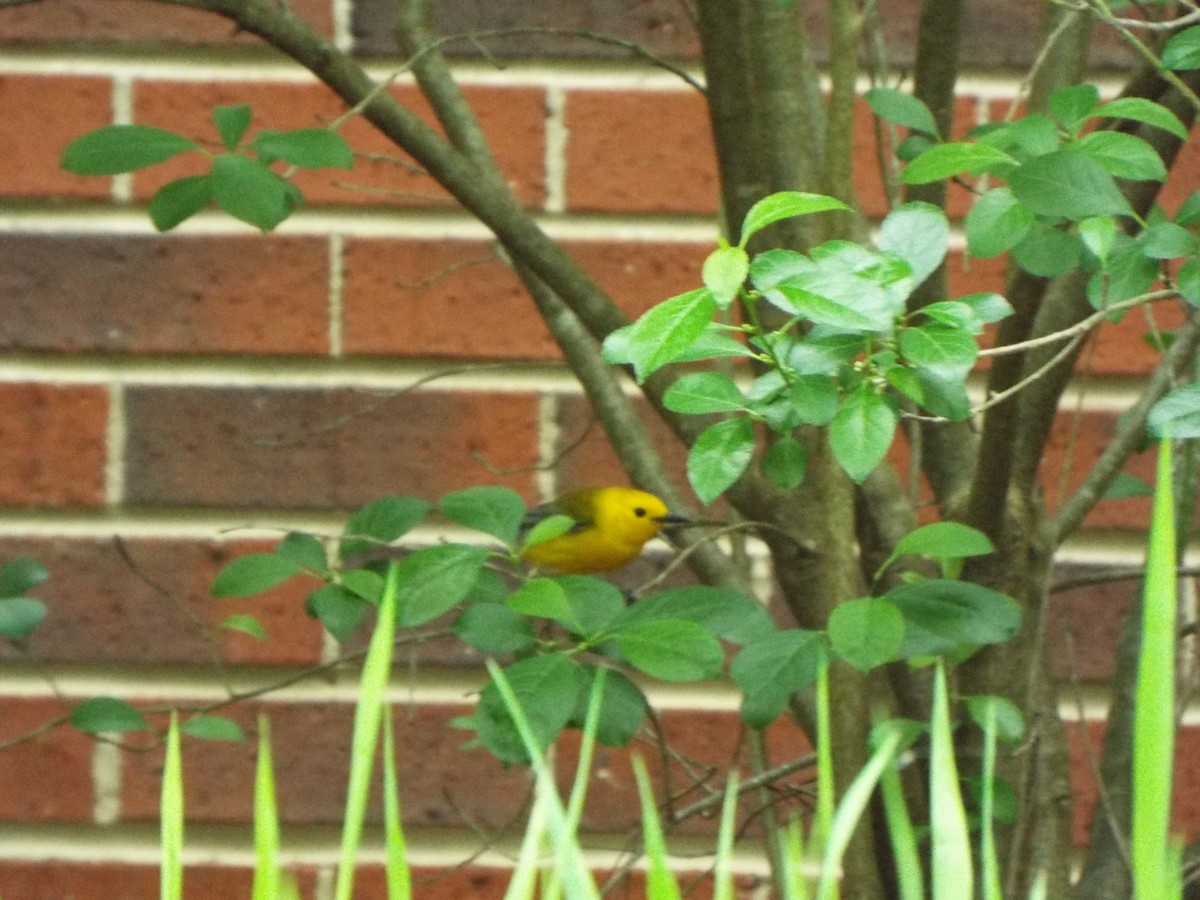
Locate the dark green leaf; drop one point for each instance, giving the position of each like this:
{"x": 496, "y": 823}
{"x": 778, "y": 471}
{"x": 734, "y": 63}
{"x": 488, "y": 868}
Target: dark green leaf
{"x": 178, "y": 200}
{"x": 996, "y": 223}
{"x": 672, "y": 650}
{"x": 1188, "y": 281}
{"x": 308, "y": 148}
{"x": 862, "y": 432}
{"x": 20, "y": 617}
{"x": 1129, "y": 273}
{"x": 213, "y": 728}
{"x": 252, "y": 574}
{"x": 947, "y": 160}
{"x": 249, "y": 191}
{"x": 304, "y": 550}
{"x": 494, "y": 629}
{"x": 1047, "y": 251}
{"x": 902, "y": 109}
{"x": 866, "y": 632}
{"x": 719, "y": 457}
{"x": 1138, "y": 109}
{"x": 339, "y": 609}
{"x": 1176, "y": 414}
{"x": 723, "y": 273}
{"x": 122, "y": 148}
{"x": 1028, "y": 137}
{"x": 19, "y": 575}
{"x": 1182, "y": 50}
{"x": 492, "y": 509}
{"x": 1125, "y": 485}
{"x": 785, "y": 462}
{"x": 663, "y": 333}
{"x": 433, "y": 580}
{"x": 704, "y": 392}
{"x": 1067, "y": 183}
{"x": 381, "y": 522}
{"x": 1124, "y": 155}
{"x": 547, "y": 689}
{"x": 772, "y": 668}
{"x": 727, "y": 613}
{"x": 244, "y": 624}
{"x": 594, "y": 603}
{"x": 1189, "y": 210}
{"x": 1166, "y": 240}
{"x": 814, "y": 398}
{"x": 944, "y": 617}
{"x": 947, "y": 352}
{"x": 231, "y": 122}
{"x": 1073, "y": 104}
{"x": 918, "y": 234}
{"x": 943, "y": 397}
{"x": 364, "y": 583}
{"x": 622, "y": 710}
{"x": 784, "y": 205}
{"x": 107, "y": 715}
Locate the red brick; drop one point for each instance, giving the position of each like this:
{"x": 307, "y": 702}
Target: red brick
{"x": 47, "y": 777}
{"x": 640, "y": 152}
{"x": 511, "y": 118}
{"x": 136, "y": 22}
{"x": 52, "y": 445}
{"x": 457, "y": 299}
{"x": 322, "y": 449}
{"x": 70, "y": 880}
{"x": 154, "y": 295}
{"x": 41, "y": 115}
{"x": 1083, "y": 625}
{"x": 100, "y": 610}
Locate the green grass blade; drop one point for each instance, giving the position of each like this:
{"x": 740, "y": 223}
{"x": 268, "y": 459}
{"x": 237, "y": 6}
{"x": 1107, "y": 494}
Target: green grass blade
{"x": 171, "y": 816}
{"x": 826, "y": 793}
{"x": 987, "y": 831}
{"x": 399, "y": 877}
{"x": 576, "y": 879}
{"x": 1037, "y": 890}
{"x": 850, "y": 811}
{"x": 1154, "y": 712}
{"x": 723, "y": 873}
{"x": 377, "y": 670}
{"x": 523, "y": 883}
{"x": 951, "y": 868}
{"x": 266, "y": 819}
{"x": 910, "y": 877}
{"x": 661, "y": 883}
{"x": 796, "y": 883}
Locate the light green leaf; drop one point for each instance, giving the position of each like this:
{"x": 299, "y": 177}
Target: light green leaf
{"x": 308, "y": 148}
{"x": 1067, "y": 183}
{"x": 1138, "y": 109}
{"x": 1124, "y": 155}
{"x": 495, "y": 629}
{"x": 785, "y": 462}
{"x": 434, "y": 579}
{"x": 947, "y": 352}
{"x": 771, "y": 668}
{"x": 339, "y": 609}
{"x": 304, "y": 550}
{"x": 784, "y": 205}
{"x": 988, "y": 307}
{"x": 492, "y": 509}
{"x": 862, "y": 432}
{"x": 902, "y": 109}
{"x": 946, "y": 160}
{"x": 866, "y": 632}
{"x": 704, "y": 392}
{"x": 723, "y": 273}
{"x": 663, "y": 333}
{"x": 547, "y": 690}
{"x": 671, "y": 650}
{"x": 542, "y": 597}
{"x": 1182, "y": 50}
{"x": 944, "y": 540}
{"x": 379, "y": 523}
{"x": 1166, "y": 240}
{"x": 1047, "y": 251}
{"x": 943, "y": 617}
{"x": 213, "y": 728}
{"x": 122, "y": 148}
{"x": 918, "y": 234}
{"x": 1010, "y": 723}
{"x": 719, "y": 457}
{"x": 1177, "y": 414}
{"x": 1073, "y": 105}
{"x": 245, "y": 624}
{"x": 1098, "y": 234}
{"x": 996, "y": 223}
{"x": 254, "y": 573}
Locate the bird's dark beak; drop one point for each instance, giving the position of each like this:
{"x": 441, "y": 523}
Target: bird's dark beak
{"x": 673, "y": 521}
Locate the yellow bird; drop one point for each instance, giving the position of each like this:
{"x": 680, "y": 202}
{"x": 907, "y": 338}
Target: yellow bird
{"x": 612, "y": 524}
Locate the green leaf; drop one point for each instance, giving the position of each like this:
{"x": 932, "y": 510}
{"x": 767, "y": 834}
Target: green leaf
{"x": 379, "y": 523}
{"x": 492, "y": 509}
{"x": 1166, "y": 240}
{"x": 862, "y": 432}
{"x": 1098, "y": 234}
{"x": 704, "y": 392}
{"x": 1124, "y": 156}
{"x": 671, "y": 650}
{"x": 245, "y": 624}
{"x": 122, "y": 148}
{"x": 918, "y": 234}
{"x": 1182, "y": 50}
{"x": 944, "y": 540}
{"x": 996, "y": 223}
{"x": 542, "y": 597}
{"x": 1124, "y": 486}
{"x": 340, "y": 610}
{"x": 304, "y": 550}
{"x": 814, "y": 399}
{"x": 944, "y": 617}
{"x": 1137, "y": 109}
{"x": 772, "y": 668}
{"x": 252, "y": 574}
{"x": 1010, "y": 723}
{"x": 947, "y": 352}
{"x": 213, "y": 728}
{"x": 1067, "y": 183}
{"x": 1129, "y": 273}
{"x": 723, "y": 273}
{"x": 20, "y": 617}
{"x": 231, "y": 122}
{"x": 364, "y": 583}
{"x": 901, "y": 109}
{"x": 1188, "y": 281}
{"x": 19, "y": 575}
{"x": 593, "y": 602}
{"x": 988, "y": 307}
{"x": 249, "y": 191}
{"x": 1177, "y": 414}
{"x": 662, "y": 334}
{"x": 719, "y": 457}
{"x": 308, "y": 148}
{"x": 785, "y": 462}
{"x": 727, "y": 613}
{"x": 433, "y": 580}
{"x": 784, "y": 205}
{"x": 621, "y": 712}
{"x": 107, "y": 715}
{"x": 547, "y": 689}
{"x": 1074, "y": 104}
{"x": 943, "y": 397}
{"x": 947, "y": 160}
{"x": 178, "y": 200}
{"x": 548, "y": 529}
{"x": 1047, "y": 251}
{"x": 1189, "y": 210}
{"x": 495, "y": 629}
{"x": 866, "y": 632}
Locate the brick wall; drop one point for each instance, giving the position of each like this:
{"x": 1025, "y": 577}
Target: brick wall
{"x": 156, "y": 393}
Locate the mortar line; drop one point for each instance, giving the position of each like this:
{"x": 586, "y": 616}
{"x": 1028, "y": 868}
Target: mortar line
{"x": 557, "y": 136}
{"x": 337, "y": 283}
{"x": 122, "y": 114}
{"x": 342, "y": 12}
{"x": 115, "y": 446}
{"x": 549, "y": 438}
{"x": 106, "y": 783}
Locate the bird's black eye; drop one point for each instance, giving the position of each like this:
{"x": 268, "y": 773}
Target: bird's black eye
{"x": 639, "y": 512}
